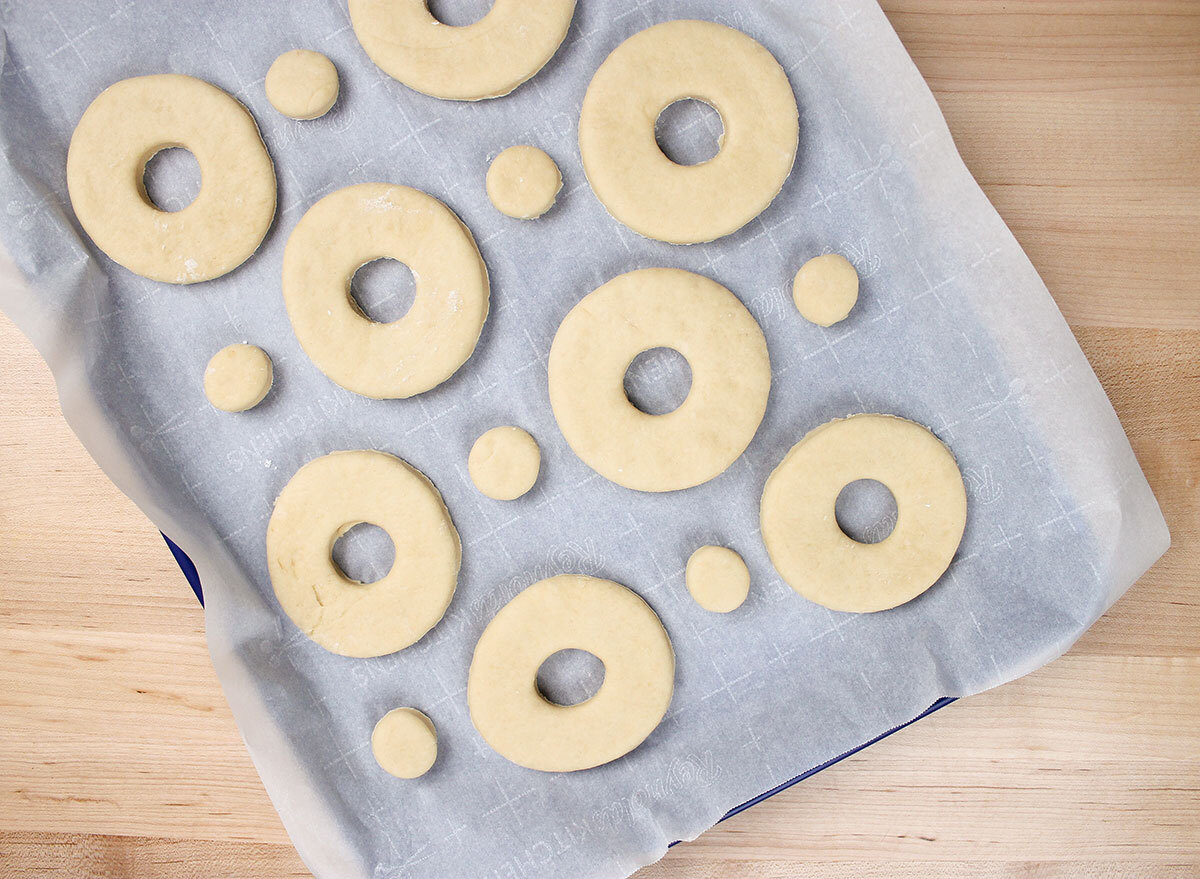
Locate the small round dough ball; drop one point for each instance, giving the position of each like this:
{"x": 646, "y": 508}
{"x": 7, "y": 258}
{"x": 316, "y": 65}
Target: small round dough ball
{"x": 238, "y": 377}
{"x": 825, "y": 289}
{"x": 302, "y": 84}
{"x": 523, "y": 182}
{"x": 717, "y": 578}
{"x": 405, "y": 743}
{"x": 504, "y": 463}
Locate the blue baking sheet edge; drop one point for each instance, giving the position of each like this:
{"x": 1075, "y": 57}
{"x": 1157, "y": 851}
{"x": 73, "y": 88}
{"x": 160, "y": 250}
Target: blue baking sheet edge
{"x": 754, "y": 801}
{"x": 193, "y": 578}
{"x": 187, "y": 566}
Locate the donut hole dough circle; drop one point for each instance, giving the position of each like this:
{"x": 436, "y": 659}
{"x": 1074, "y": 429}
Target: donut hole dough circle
{"x": 825, "y": 289}
{"x": 584, "y": 613}
{"x": 523, "y": 182}
{"x": 356, "y": 225}
{"x": 238, "y": 377}
{"x": 717, "y": 578}
{"x": 302, "y": 84}
{"x": 504, "y": 463}
{"x": 653, "y": 308}
{"x": 123, "y": 128}
{"x": 326, "y": 498}
{"x": 487, "y": 59}
{"x": 810, "y": 550}
{"x": 404, "y": 742}
{"x": 669, "y": 62}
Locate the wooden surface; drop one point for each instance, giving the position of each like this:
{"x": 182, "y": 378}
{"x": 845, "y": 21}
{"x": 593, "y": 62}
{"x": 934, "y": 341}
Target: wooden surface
{"x": 118, "y": 755}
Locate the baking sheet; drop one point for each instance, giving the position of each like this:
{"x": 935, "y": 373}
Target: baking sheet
{"x": 954, "y": 329}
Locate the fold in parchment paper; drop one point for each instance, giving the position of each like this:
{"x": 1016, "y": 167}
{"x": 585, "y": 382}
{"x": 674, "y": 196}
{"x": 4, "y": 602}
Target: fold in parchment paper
{"x": 953, "y": 329}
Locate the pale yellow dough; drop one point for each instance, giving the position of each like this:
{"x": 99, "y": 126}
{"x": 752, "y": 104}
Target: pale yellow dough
{"x": 814, "y": 555}
{"x": 571, "y": 611}
{"x": 302, "y": 84}
{"x": 357, "y": 225}
{"x": 825, "y": 289}
{"x": 122, "y": 129}
{"x": 404, "y": 742}
{"x": 486, "y": 59}
{"x": 669, "y": 62}
{"x": 326, "y": 498}
{"x": 238, "y": 377}
{"x": 522, "y": 182}
{"x": 632, "y": 313}
{"x": 717, "y": 578}
{"x": 504, "y": 463}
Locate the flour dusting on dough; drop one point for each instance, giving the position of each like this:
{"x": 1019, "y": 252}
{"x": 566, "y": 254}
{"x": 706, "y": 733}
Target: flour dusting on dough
{"x": 381, "y": 202}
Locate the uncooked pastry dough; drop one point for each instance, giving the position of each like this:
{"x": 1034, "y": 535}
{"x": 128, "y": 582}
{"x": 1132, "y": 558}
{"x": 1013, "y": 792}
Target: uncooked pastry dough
{"x": 131, "y": 121}
{"x": 238, "y": 377}
{"x": 523, "y": 182}
{"x": 504, "y": 463}
{"x": 405, "y": 743}
{"x": 564, "y": 612}
{"x": 825, "y": 289}
{"x": 632, "y": 313}
{"x": 486, "y": 59}
{"x": 673, "y": 61}
{"x": 357, "y": 225}
{"x": 814, "y": 555}
{"x": 326, "y": 498}
{"x": 717, "y": 578}
{"x": 302, "y": 84}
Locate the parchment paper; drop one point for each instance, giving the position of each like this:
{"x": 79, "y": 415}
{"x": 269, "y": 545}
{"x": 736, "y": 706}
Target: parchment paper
{"x": 954, "y": 329}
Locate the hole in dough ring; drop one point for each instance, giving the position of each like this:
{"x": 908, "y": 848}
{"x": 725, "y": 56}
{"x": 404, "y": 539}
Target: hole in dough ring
{"x": 326, "y": 498}
{"x": 809, "y": 549}
{"x": 356, "y": 225}
{"x": 653, "y": 308}
{"x": 486, "y": 59}
{"x": 571, "y": 611}
{"x": 673, "y": 61}
{"x": 123, "y": 128}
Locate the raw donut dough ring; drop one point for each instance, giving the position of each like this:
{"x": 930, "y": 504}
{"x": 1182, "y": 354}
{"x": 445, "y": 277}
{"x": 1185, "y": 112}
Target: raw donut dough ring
{"x": 632, "y": 313}
{"x": 238, "y": 377}
{"x": 810, "y": 550}
{"x": 302, "y": 84}
{"x": 486, "y": 59}
{"x": 357, "y": 225}
{"x": 404, "y": 743}
{"x": 122, "y": 129}
{"x": 326, "y": 498}
{"x": 570, "y": 611}
{"x": 669, "y": 62}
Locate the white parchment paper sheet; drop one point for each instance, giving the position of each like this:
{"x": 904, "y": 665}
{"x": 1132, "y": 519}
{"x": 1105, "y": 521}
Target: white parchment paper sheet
{"x": 954, "y": 329}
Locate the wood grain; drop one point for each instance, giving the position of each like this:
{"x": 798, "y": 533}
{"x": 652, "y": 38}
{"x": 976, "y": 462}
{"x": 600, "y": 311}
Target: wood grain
{"x": 119, "y": 758}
